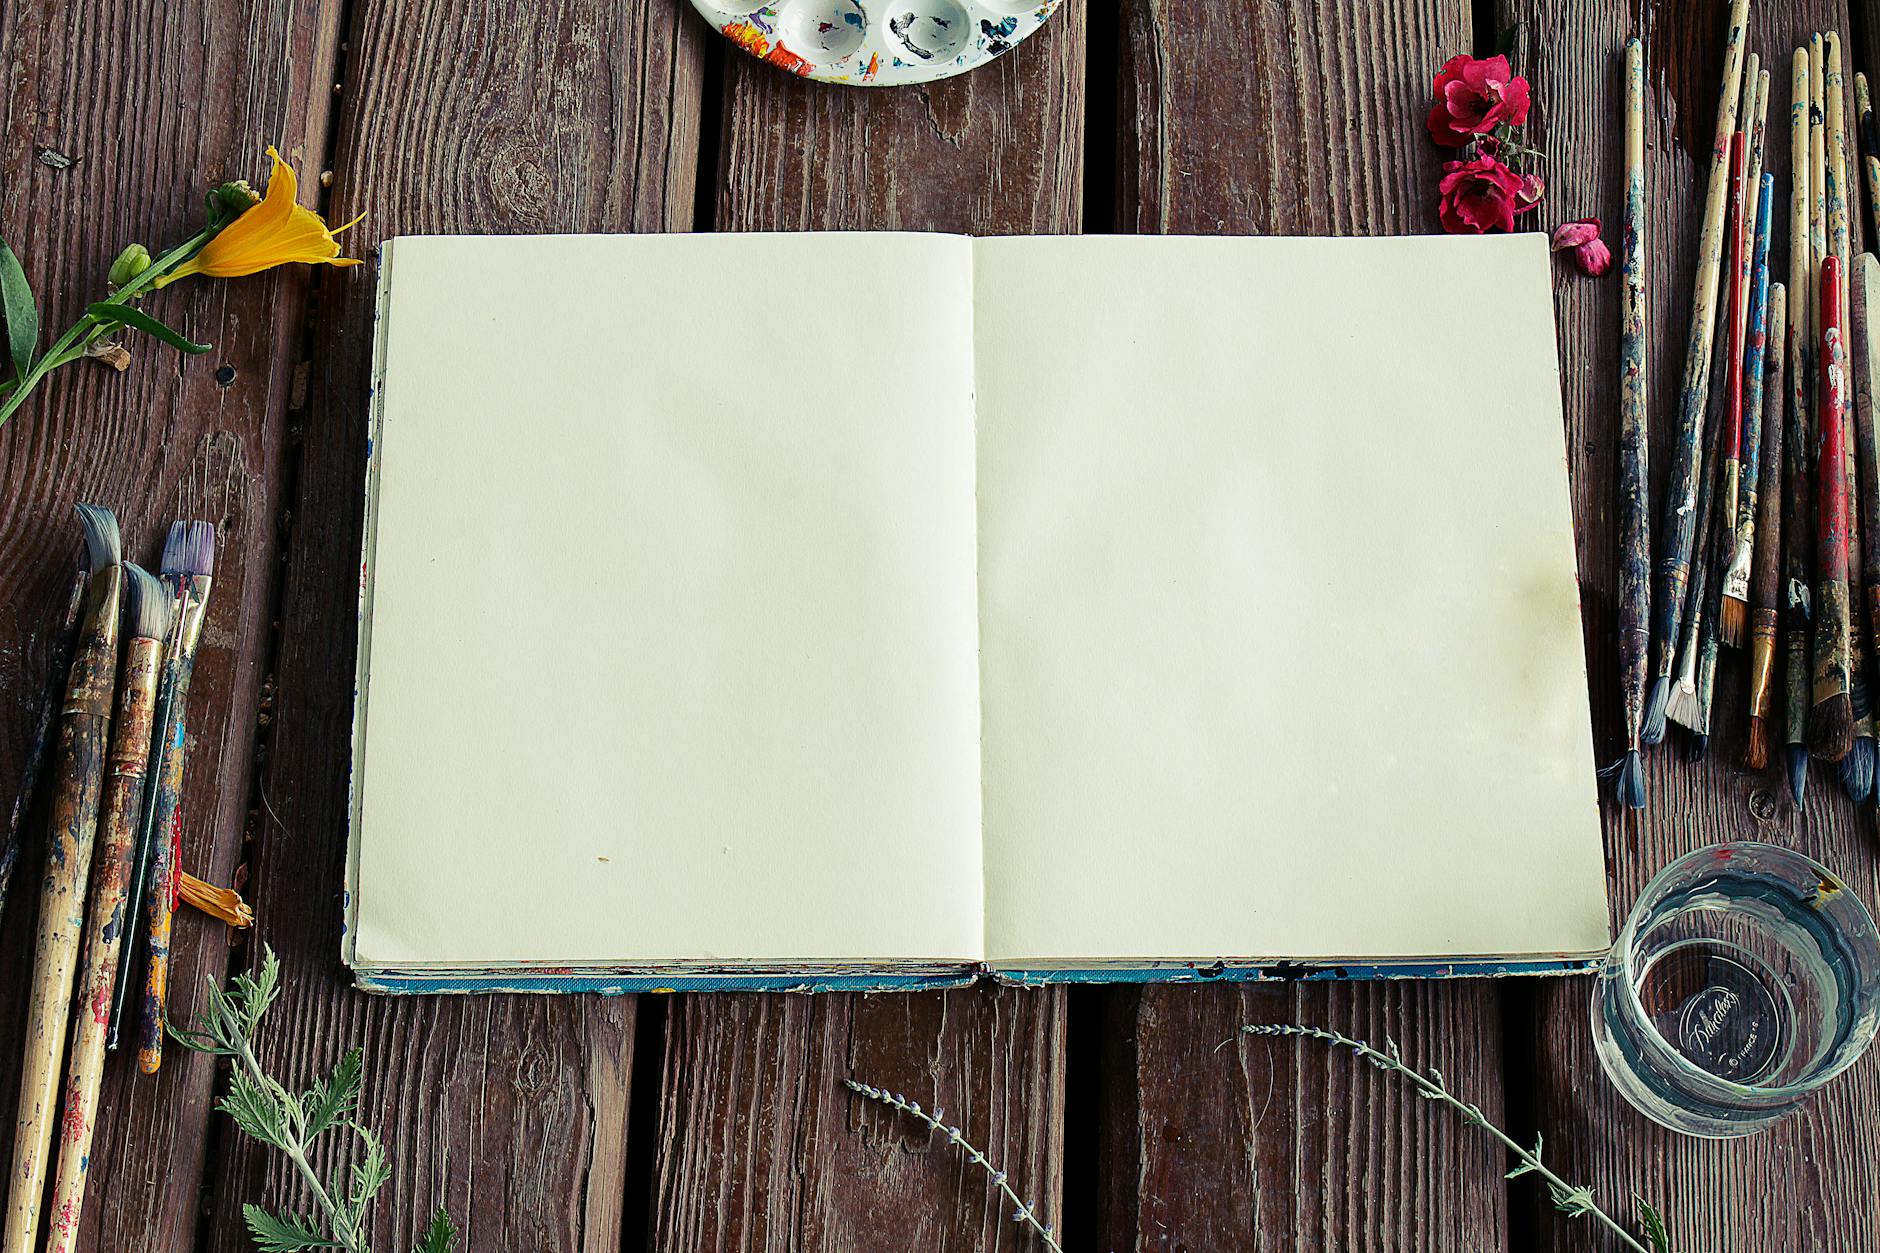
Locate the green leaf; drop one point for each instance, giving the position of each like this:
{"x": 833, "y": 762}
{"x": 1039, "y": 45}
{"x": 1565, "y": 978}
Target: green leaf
{"x": 284, "y": 1233}
{"x": 16, "y": 300}
{"x": 441, "y": 1237}
{"x": 333, "y": 1097}
{"x": 370, "y": 1175}
{"x": 138, "y": 320}
{"x": 1654, "y": 1226}
{"x": 253, "y": 1108}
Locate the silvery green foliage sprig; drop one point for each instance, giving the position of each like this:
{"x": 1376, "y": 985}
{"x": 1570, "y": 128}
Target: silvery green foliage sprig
{"x": 1569, "y": 1200}
{"x": 1023, "y": 1214}
{"x": 271, "y": 1114}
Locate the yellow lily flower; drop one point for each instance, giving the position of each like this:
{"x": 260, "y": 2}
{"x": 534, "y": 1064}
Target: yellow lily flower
{"x": 276, "y": 231}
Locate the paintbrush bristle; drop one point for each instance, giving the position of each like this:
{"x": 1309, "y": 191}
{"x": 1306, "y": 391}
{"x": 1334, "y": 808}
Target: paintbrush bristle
{"x": 190, "y": 549}
{"x": 102, "y": 547}
{"x": 147, "y": 604}
{"x": 1630, "y": 786}
{"x": 1857, "y": 770}
{"x": 1700, "y": 745}
{"x": 1831, "y": 727}
{"x": 1682, "y": 708}
{"x": 1756, "y": 755}
{"x": 1731, "y": 621}
{"x": 1653, "y": 729}
{"x": 1798, "y": 771}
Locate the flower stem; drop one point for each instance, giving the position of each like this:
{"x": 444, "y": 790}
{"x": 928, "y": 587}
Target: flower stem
{"x": 1434, "y": 1089}
{"x": 1023, "y": 1213}
{"x": 70, "y": 346}
{"x": 294, "y": 1145}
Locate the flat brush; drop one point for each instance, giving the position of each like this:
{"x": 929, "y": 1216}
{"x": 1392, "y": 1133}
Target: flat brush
{"x": 62, "y": 642}
{"x": 1741, "y": 549}
{"x": 1683, "y": 707}
{"x": 146, "y": 620}
{"x": 1831, "y": 719}
{"x": 188, "y": 567}
{"x": 1679, "y": 530}
{"x": 1765, "y": 576}
{"x": 78, "y": 782}
{"x": 1635, "y": 541}
{"x": 1798, "y": 463}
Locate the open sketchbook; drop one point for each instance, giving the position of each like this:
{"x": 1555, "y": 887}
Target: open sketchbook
{"x": 884, "y": 610}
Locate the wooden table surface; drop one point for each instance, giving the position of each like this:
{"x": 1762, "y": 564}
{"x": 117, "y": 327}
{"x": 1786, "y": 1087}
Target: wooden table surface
{"x": 717, "y": 1122}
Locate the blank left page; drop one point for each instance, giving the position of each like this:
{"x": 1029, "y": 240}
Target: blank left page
{"x": 670, "y": 604}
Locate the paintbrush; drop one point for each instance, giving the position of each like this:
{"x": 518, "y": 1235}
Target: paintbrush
{"x": 1798, "y": 468}
{"x": 78, "y": 781}
{"x": 146, "y": 621}
{"x": 1864, "y": 356}
{"x": 1831, "y": 720}
{"x": 1752, "y": 274}
{"x": 1635, "y": 540}
{"x": 62, "y": 642}
{"x": 1683, "y": 706}
{"x": 1869, "y": 146}
{"x": 1681, "y": 517}
{"x": 1857, "y": 768}
{"x": 188, "y": 567}
{"x": 1764, "y": 577}
{"x": 1747, "y": 401}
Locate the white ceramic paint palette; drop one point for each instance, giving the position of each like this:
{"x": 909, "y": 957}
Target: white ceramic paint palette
{"x": 876, "y": 43}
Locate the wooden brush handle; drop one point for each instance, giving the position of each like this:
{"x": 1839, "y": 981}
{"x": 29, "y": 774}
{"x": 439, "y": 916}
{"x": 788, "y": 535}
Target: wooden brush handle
{"x": 1831, "y": 519}
{"x": 127, "y": 761}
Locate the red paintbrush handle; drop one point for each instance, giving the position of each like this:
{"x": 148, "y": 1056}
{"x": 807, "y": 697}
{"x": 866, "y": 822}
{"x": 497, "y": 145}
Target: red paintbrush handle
{"x": 1833, "y": 492}
{"x": 1739, "y": 313}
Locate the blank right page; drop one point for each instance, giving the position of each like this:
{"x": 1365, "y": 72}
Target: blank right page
{"x": 1279, "y": 626}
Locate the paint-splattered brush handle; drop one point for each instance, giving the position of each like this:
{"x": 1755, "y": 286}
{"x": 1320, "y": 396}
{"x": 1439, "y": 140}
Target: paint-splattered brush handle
{"x": 126, "y": 764}
{"x": 1768, "y": 536}
{"x": 160, "y": 902}
{"x": 1680, "y": 516}
{"x": 1732, "y": 444}
{"x": 1831, "y": 599}
{"x": 1869, "y": 145}
{"x": 1798, "y": 531}
{"x": 62, "y": 642}
{"x": 78, "y": 765}
{"x": 1635, "y": 553}
{"x": 1755, "y": 357}
{"x": 1865, "y": 361}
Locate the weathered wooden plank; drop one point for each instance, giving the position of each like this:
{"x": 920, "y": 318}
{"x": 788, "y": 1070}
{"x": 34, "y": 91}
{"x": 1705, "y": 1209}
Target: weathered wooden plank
{"x": 1303, "y": 117}
{"x": 1812, "y": 1182}
{"x": 760, "y": 1147}
{"x": 118, "y": 88}
{"x": 570, "y": 116}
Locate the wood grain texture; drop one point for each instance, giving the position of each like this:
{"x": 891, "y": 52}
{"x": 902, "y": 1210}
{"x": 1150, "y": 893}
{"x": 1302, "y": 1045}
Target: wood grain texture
{"x": 1811, "y": 1183}
{"x": 1292, "y": 118}
{"x": 118, "y": 86}
{"x": 760, "y": 1146}
{"x": 575, "y": 115}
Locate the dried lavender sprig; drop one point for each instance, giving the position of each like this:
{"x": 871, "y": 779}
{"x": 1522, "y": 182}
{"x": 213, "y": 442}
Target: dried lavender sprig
{"x": 1024, "y": 1214}
{"x": 1571, "y": 1201}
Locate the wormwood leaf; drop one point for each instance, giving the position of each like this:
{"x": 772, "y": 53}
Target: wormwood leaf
{"x": 369, "y": 1175}
{"x": 1573, "y": 1202}
{"x": 1528, "y": 1164}
{"x": 333, "y": 1097}
{"x": 1654, "y": 1226}
{"x": 138, "y": 320}
{"x": 16, "y": 301}
{"x": 440, "y": 1237}
{"x": 284, "y": 1233}
{"x": 254, "y": 1109}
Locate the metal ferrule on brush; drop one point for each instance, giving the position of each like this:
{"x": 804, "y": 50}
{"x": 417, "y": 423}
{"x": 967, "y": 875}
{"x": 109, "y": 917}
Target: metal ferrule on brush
{"x": 130, "y": 748}
{"x": 1762, "y": 661}
{"x": 94, "y": 664}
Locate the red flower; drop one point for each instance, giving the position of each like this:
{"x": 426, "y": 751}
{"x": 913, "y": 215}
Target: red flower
{"x": 1479, "y": 195}
{"x": 1580, "y": 238}
{"x": 1474, "y": 97}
